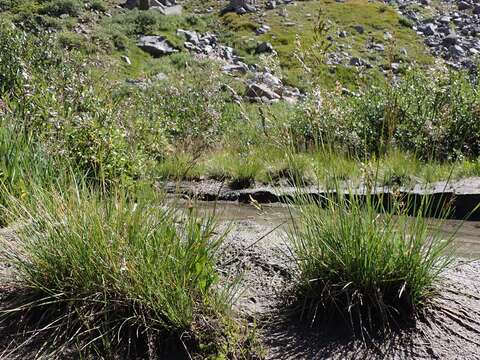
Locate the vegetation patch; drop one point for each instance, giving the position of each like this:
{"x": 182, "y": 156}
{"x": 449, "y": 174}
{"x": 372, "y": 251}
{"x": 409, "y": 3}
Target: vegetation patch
{"x": 119, "y": 274}
{"x": 371, "y": 270}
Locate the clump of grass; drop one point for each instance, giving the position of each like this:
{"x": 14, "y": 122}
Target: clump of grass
{"x": 240, "y": 170}
{"x": 180, "y": 166}
{"x": 294, "y": 168}
{"x": 118, "y": 275}
{"x": 23, "y": 164}
{"x": 373, "y": 270}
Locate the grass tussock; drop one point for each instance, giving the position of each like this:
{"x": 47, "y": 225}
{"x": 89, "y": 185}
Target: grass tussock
{"x": 373, "y": 270}
{"x": 119, "y": 275}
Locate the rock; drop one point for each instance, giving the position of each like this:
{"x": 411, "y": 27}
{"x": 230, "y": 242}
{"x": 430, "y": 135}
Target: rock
{"x": 262, "y": 29}
{"x": 155, "y": 45}
{"x": 261, "y": 91}
{"x": 239, "y": 6}
{"x": 130, "y": 4}
{"x": 359, "y": 28}
{"x": 175, "y": 10}
{"x": 342, "y": 34}
{"x": 232, "y": 68}
{"x": 445, "y": 20}
{"x": 271, "y": 4}
{"x": 191, "y": 36}
{"x": 355, "y": 61}
{"x": 163, "y": 6}
{"x": 126, "y": 59}
{"x": 160, "y": 77}
{"x": 395, "y": 67}
{"x": 264, "y": 47}
{"x": 450, "y": 40}
{"x": 463, "y": 5}
{"x": 454, "y": 46}
{"x": 457, "y": 50}
{"x": 269, "y": 79}
{"x": 429, "y": 29}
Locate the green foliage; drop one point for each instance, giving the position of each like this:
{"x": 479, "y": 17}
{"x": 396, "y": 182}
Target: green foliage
{"x": 61, "y": 7}
{"x": 405, "y": 22}
{"x": 23, "y": 165}
{"x": 71, "y": 40}
{"x": 435, "y": 119}
{"x": 98, "y": 5}
{"x": 368, "y": 268}
{"x": 146, "y": 23}
{"x": 123, "y": 266}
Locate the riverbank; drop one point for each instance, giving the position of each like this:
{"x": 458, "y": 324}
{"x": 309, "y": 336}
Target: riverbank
{"x": 462, "y": 195}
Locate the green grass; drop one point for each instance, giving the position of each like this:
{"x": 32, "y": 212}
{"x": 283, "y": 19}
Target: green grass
{"x": 373, "y": 16}
{"x": 23, "y": 166}
{"x": 121, "y": 273}
{"x": 370, "y": 269}
{"x": 270, "y": 165}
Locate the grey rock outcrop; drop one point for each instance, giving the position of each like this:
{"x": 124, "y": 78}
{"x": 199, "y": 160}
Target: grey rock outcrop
{"x": 165, "y": 7}
{"x": 240, "y": 7}
{"x": 451, "y": 31}
{"x": 156, "y": 45}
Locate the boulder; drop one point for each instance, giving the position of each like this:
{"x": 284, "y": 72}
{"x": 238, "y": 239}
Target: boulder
{"x": 261, "y": 91}
{"x": 359, "y": 28}
{"x": 264, "y": 47}
{"x": 156, "y": 45}
{"x": 450, "y": 40}
{"x": 165, "y": 7}
{"x": 239, "y": 7}
{"x": 174, "y": 10}
{"x": 429, "y": 29}
{"x": 191, "y": 36}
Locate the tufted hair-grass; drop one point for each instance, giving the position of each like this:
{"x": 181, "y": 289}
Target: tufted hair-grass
{"x": 117, "y": 274}
{"x": 370, "y": 265}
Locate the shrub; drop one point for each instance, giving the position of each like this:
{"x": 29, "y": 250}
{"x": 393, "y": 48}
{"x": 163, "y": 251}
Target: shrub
{"x": 71, "y": 40}
{"x": 405, "y": 22}
{"x": 435, "y": 118}
{"x": 119, "y": 273}
{"x": 368, "y": 268}
{"x": 98, "y": 5}
{"x": 60, "y": 7}
{"x": 146, "y": 23}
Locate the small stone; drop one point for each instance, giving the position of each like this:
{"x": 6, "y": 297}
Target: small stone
{"x": 359, "y": 28}
{"x": 450, "y": 40}
{"x": 126, "y": 59}
{"x": 261, "y": 91}
{"x": 272, "y": 4}
{"x": 429, "y": 29}
{"x": 264, "y": 47}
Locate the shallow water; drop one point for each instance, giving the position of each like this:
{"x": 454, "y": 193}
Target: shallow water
{"x": 466, "y": 233}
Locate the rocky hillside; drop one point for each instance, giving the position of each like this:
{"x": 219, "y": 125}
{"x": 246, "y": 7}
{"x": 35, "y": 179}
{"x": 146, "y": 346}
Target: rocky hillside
{"x": 228, "y": 86}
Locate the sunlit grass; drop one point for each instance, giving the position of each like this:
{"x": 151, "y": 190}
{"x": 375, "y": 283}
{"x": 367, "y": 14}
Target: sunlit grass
{"x": 117, "y": 272}
{"x": 364, "y": 263}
